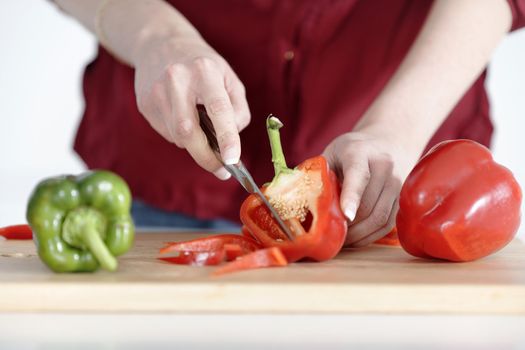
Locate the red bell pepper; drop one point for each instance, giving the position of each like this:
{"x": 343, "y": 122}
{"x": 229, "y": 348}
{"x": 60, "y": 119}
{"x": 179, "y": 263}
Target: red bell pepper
{"x": 458, "y": 204}
{"x": 261, "y": 258}
{"x": 390, "y": 239}
{"x": 306, "y": 198}
{"x": 21, "y": 232}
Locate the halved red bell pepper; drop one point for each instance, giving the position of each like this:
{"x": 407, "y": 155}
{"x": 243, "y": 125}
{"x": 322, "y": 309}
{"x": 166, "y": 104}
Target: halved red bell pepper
{"x": 306, "y": 198}
{"x": 458, "y": 204}
{"x": 19, "y": 232}
{"x": 268, "y": 257}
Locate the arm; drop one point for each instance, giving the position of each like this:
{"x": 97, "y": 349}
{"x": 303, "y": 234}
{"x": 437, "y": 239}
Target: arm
{"x": 450, "y": 52}
{"x": 175, "y": 70}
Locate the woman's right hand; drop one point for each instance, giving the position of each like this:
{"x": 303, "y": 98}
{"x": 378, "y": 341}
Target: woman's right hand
{"x": 172, "y": 76}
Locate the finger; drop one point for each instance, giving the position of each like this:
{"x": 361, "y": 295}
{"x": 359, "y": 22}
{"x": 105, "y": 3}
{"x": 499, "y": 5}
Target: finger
{"x": 380, "y": 171}
{"x": 237, "y": 94}
{"x": 183, "y": 125}
{"x": 379, "y": 216}
{"x": 356, "y": 175}
{"x": 213, "y": 94}
{"x": 381, "y": 232}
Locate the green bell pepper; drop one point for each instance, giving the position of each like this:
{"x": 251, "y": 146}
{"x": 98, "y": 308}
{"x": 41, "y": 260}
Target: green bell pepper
{"x": 81, "y": 222}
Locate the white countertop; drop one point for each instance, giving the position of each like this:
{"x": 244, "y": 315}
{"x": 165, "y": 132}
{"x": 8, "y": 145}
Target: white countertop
{"x": 183, "y": 331}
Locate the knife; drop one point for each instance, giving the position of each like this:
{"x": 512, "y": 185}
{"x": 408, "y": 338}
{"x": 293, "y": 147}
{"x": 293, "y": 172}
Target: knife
{"x": 238, "y": 171}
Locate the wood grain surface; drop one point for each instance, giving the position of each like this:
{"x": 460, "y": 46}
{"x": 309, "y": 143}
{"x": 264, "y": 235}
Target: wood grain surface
{"x": 376, "y": 279}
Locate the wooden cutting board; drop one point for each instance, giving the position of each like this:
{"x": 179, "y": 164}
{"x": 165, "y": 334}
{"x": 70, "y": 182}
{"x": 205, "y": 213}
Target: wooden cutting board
{"x": 377, "y": 279}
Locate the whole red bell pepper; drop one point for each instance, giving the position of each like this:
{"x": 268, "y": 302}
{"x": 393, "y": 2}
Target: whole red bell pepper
{"x": 306, "y": 198}
{"x": 458, "y": 204}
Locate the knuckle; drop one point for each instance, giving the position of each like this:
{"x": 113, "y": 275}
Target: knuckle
{"x": 241, "y": 89}
{"x": 365, "y": 207}
{"x": 365, "y": 173}
{"x": 396, "y": 184}
{"x": 386, "y": 161}
{"x": 243, "y": 120}
{"x": 204, "y": 64}
{"x": 206, "y": 160}
{"x": 357, "y": 147}
{"x": 183, "y": 129}
{"x": 219, "y": 106}
{"x": 227, "y": 139}
{"x": 175, "y": 71}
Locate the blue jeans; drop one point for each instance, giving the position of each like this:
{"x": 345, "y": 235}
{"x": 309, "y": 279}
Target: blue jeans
{"x": 146, "y": 216}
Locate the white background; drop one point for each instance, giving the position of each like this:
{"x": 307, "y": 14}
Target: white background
{"x": 43, "y": 53}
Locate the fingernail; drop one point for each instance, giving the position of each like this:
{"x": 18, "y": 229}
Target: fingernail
{"x": 350, "y": 211}
{"x": 230, "y": 156}
{"x": 222, "y": 174}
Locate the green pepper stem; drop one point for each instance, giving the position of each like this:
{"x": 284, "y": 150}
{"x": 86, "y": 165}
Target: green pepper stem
{"x": 85, "y": 228}
{"x": 279, "y": 162}
{"x": 98, "y": 248}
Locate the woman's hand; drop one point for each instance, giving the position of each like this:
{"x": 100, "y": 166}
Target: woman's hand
{"x": 372, "y": 169}
{"x": 449, "y": 53}
{"x": 175, "y": 70}
{"x": 172, "y": 77}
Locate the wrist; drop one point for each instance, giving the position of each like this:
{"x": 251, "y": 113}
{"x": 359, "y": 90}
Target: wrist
{"x": 145, "y": 22}
{"x": 398, "y": 127}
{"x": 151, "y": 40}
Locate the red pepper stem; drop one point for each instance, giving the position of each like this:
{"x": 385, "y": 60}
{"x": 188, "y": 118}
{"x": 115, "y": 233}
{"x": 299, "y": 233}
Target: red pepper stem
{"x": 279, "y": 162}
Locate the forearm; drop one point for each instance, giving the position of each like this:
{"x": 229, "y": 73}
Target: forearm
{"x": 452, "y": 49}
{"x": 125, "y": 25}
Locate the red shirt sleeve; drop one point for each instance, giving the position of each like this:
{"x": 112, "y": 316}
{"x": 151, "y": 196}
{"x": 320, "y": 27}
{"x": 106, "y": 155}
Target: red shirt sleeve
{"x": 517, "y": 8}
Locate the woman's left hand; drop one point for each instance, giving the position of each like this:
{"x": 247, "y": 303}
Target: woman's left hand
{"x": 372, "y": 169}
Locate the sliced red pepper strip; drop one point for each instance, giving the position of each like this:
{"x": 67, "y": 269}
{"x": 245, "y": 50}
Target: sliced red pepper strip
{"x": 196, "y": 258}
{"x": 212, "y": 243}
{"x": 22, "y": 232}
{"x": 246, "y": 233}
{"x": 390, "y": 239}
{"x": 233, "y": 251}
{"x": 268, "y": 257}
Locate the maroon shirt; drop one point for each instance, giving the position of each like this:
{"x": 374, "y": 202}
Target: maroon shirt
{"x": 316, "y": 64}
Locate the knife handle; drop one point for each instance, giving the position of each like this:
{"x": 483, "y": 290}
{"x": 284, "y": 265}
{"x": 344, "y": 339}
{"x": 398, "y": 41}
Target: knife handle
{"x": 209, "y": 130}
